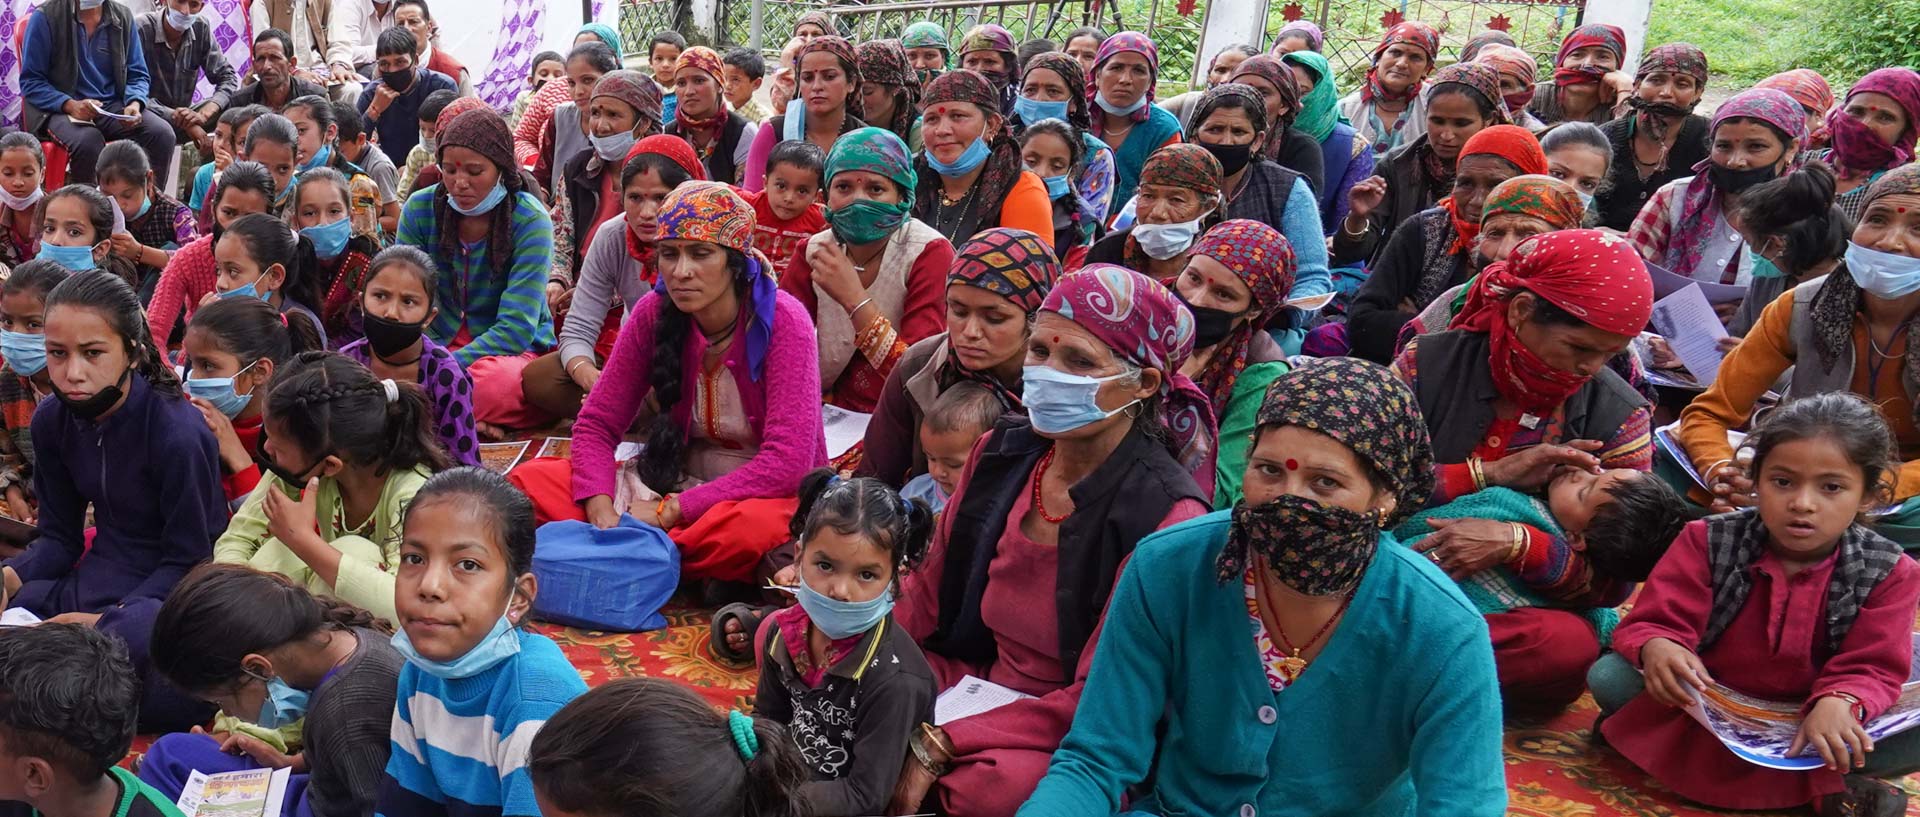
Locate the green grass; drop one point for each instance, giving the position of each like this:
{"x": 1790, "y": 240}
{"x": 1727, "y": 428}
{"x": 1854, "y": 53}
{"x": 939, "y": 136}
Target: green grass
{"x": 1745, "y": 40}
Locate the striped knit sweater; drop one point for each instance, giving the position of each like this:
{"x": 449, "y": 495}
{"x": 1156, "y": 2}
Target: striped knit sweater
{"x": 504, "y": 311}
{"x": 460, "y": 746}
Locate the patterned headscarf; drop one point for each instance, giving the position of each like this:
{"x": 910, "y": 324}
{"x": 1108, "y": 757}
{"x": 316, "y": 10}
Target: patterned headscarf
{"x": 988, "y": 37}
{"x": 1674, "y": 58}
{"x": 1121, "y": 43}
{"x": 1697, "y": 225}
{"x": 1473, "y": 48}
{"x": 1320, "y": 107}
{"x": 1316, "y": 39}
{"x": 1249, "y": 101}
{"x": 453, "y": 110}
{"x": 639, "y": 92}
{"x": 605, "y": 33}
{"x": 1013, "y": 264}
{"x": 1520, "y": 64}
{"x": 925, "y": 34}
{"x": 1263, "y": 260}
{"x": 1807, "y": 87}
{"x": 677, "y": 149}
{"x": 1481, "y": 79}
{"x": 1537, "y": 196}
{"x": 885, "y": 62}
{"x": 1596, "y": 276}
{"x": 1186, "y": 165}
{"x": 1366, "y": 408}
{"x": 1519, "y": 147}
{"x": 818, "y": 18}
{"x": 1277, "y": 74}
{"x": 875, "y": 150}
{"x": 1606, "y": 36}
{"x": 1147, "y": 326}
{"x": 1413, "y": 33}
{"x": 1857, "y": 148}
{"x": 1072, "y": 76}
{"x": 713, "y": 213}
{"x": 997, "y": 177}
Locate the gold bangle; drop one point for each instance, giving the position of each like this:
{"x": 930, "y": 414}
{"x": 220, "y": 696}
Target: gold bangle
{"x": 1519, "y": 547}
{"x": 1478, "y": 470}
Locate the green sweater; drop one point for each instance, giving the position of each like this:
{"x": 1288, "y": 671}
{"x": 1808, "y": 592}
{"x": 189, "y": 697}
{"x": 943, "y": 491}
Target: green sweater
{"x": 1499, "y": 589}
{"x": 1399, "y": 714}
{"x": 365, "y": 578}
{"x": 1236, "y": 429}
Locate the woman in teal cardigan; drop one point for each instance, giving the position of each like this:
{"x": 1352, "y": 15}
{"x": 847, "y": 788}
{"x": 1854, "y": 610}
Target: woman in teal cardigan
{"x": 1375, "y": 692}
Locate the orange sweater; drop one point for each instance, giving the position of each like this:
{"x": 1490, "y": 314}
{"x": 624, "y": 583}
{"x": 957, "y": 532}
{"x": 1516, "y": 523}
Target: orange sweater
{"x": 1753, "y": 367}
{"x": 1028, "y": 208}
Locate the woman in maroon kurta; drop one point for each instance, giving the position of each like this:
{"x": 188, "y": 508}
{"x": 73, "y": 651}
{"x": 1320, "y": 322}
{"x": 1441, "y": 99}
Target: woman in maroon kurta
{"x": 1789, "y": 640}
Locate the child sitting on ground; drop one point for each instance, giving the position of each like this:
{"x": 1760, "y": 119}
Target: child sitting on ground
{"x": 962, "y": 414}
{"x": 70, "y": 702}
{"x": 647, "y": 746}
{"x": 1621, "y": 519}
{"x": 788, "y": 211}
{"x": 1795, "y": 599}
{"x": 849, "y": 684}
{"x": 475, "y": 685}
{"x": 23, "y": 382}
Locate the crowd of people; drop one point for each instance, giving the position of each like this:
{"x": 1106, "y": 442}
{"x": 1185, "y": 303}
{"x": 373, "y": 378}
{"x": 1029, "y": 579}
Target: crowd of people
{"x": 1207, "y": 425}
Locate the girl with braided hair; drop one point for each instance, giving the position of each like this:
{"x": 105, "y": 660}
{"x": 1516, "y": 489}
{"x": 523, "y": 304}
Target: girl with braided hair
{"x": 347, "y": 453}
{"x": 118, "y": 437}
{"x": 259, "y": 644}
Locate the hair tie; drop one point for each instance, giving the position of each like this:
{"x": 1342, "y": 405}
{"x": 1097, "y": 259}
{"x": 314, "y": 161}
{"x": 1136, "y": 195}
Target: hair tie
{"x": 393, "y": 390}
{"x": 744, "y": 740}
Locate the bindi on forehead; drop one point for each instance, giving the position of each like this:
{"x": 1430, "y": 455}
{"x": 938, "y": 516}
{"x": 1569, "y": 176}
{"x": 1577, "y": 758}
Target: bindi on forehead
{"x": 1293, "y": 465}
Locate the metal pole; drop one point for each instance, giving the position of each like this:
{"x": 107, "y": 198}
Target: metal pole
{"x": 756, "y": 24}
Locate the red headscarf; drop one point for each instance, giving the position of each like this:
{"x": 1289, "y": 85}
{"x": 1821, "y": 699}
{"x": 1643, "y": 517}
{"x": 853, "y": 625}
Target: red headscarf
{"x": 1595, "y": 276}
{"x": 1413, "y": 33}
{"x": 1513, "y": 143}
{"x": 672, "y": 147}
{"x": 1606, "y": 36}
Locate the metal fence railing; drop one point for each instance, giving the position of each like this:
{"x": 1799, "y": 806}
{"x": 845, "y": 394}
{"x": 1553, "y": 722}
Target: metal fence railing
{"x": 640, "y": 19}
{"x": 1354, "y": 26}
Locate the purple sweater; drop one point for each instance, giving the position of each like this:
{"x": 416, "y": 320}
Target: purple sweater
{"x": 791, "y": 439}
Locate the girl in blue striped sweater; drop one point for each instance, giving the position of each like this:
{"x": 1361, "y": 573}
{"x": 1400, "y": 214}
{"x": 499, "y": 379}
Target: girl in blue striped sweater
{"x": 476, "y": 688}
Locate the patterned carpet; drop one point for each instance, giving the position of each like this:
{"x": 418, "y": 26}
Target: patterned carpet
{"x": 1551, "y": 769}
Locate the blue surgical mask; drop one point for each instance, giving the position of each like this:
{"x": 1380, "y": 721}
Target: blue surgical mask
{"x": 282, "y": 705}
{"x": 500, "y": 644}
{"x": 146, "y": 204}
{"x": 25, "y": 353}
{"x": 1033, "y": 110}
{"x": 612, "y": 148}
{"x": 1163, "y": 241}
{"x": 1057, "y": 186}
{"x": 486, "y": 205}
{"x": 330, "y": 240}
{"x": 76, "y": 259}
{"x": 251, "y": 290}
{"x": 320, "y": 157}
{"x": 1586, "y": 200}
{"x": 842, "y": 619}
{"x": 1101, "y": 100}
{"x": 973, "y": 158}
{"x": 219, "y": 391}
{"x": 1058, "y": 402}
{"x": 1883, "y": 274}
{"x": 180, "y": 21}
{"x": 1763, "y": 267}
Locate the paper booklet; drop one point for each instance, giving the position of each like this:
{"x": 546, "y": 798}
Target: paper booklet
{"x": 502, "y": 457}
{"x": 844, "y": 429}
{"x": 970, "y": 697}
{"x": 1759, "y": 731}
{"x": 1692, "y": 330}
{"x": 1667, "y": 438}
{"x": 246, "y": 793}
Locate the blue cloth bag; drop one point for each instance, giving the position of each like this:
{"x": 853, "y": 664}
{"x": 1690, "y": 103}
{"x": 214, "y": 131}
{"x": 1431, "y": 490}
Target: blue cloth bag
{"x": 614, "y": 580}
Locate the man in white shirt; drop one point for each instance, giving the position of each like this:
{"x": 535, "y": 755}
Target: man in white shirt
{"x": 352, "y": 33}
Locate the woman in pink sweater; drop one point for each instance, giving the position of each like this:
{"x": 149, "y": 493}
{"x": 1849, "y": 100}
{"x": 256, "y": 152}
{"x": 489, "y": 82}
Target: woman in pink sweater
{"x": 721, "y": 466}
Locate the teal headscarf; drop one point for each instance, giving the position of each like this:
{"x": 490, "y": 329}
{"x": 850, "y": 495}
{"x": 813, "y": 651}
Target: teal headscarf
{"x": 926, "y": 34}
{"x": 875, "y": 150}
{"x": 604, "y": 32}
{"x": 1320, "y": 107}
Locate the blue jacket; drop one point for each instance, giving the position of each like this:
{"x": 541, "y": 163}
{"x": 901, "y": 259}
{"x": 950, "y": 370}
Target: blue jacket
{"x": 1399, "y": 714}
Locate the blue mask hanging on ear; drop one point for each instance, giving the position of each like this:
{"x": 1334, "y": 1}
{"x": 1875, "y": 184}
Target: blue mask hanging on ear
{"x": 282, "y": 705}
{"x": 500, "y": 643}
{"x": 975, "y": 156}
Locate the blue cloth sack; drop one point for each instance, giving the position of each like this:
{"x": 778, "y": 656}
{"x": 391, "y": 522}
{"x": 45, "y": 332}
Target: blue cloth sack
{"x": 615, "y": 580}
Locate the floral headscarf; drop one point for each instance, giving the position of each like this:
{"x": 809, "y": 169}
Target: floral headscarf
{"x": 1122, "y": 43}
{"x": 1277, "y": 74}
{"x": 1413, "y": 33}
{"x": 1806, "y": 86}
{"x": 1304, "y": 28}
{"x": 713, "y": 213}
{"x": 1857, "y": 149}
{"x": 885, "y": 62}
{"x": 1596, "y": 276}
{"x": 1013, "y": 264}
{"x": 1147, "y": 326}
{"x": 1184, "y": 164}
{"x": 1537, "y": 196}
{"x": 1698, "y": 225}
{"x": 1480, "y": 78}
{"x": 1520, "y": 64}
{"x": 1674, "y": 58}
{"x": 1250, "y": 102}
{"x": 1320, "y": 107}
{"x": 1263, "y": 260}
{"x": 639, "y": 92}
{"x": 1072, "y": 76}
